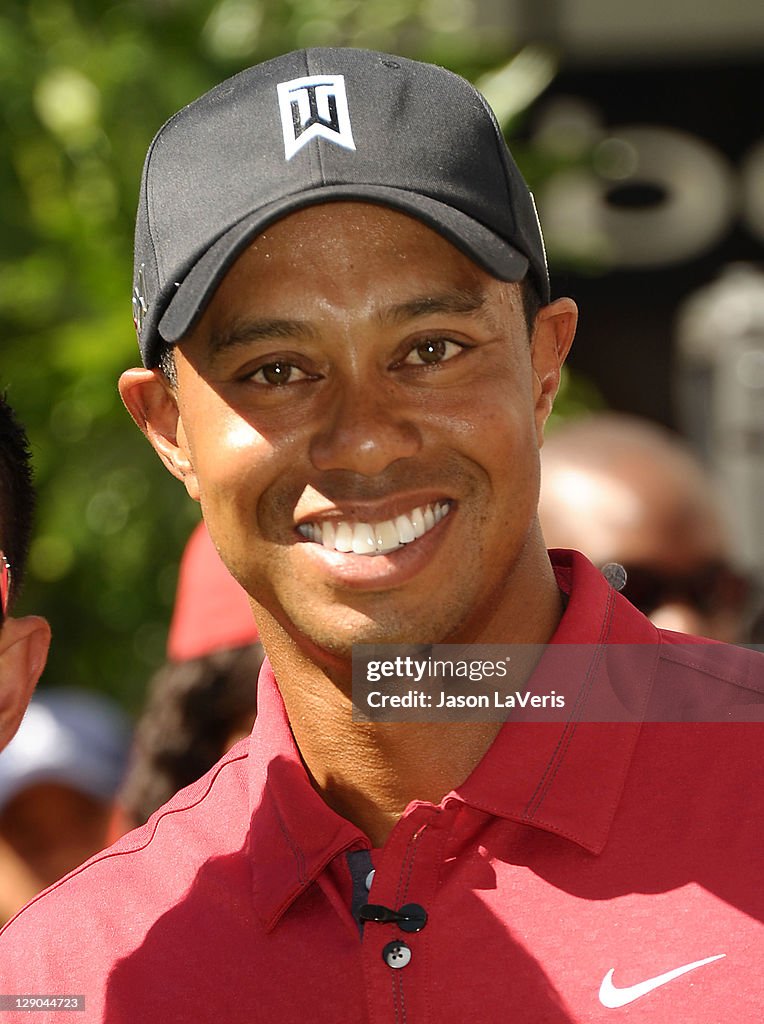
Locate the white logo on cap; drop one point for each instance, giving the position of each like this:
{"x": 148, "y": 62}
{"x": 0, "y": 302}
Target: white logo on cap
{"x": 312, "y": 108}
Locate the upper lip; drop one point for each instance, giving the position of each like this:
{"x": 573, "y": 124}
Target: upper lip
{"x": 371, "y": 512}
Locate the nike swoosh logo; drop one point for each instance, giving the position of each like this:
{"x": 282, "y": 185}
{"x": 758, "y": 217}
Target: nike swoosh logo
{"x": 613, "y": 997}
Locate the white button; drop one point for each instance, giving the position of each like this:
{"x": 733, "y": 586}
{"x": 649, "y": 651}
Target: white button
{"x": 369, "y": 880}
{"x": 396, "y": 955}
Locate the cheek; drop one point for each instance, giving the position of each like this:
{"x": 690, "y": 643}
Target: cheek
{"x": 497, "y": 403}
{"x": 238, "y": 436}
{"x": 224, "y": 447}
{"x": 511, "y": 456}
{"x": 230, "y": 460}
{"x": 501, "y": 424}
{"x": 248, "y": 488}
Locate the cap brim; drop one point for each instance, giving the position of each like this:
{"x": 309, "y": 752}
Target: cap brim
{"x": 486, "y": 248}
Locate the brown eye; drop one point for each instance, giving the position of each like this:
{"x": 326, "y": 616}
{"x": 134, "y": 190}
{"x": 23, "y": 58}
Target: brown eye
{"x": 432, "y": 351}
{"x": 277, "y": 374}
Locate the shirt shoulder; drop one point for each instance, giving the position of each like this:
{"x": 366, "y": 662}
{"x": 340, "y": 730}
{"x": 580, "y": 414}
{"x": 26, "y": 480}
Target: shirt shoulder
{"x": 707, "y": 680}
{"x": 103, "y": 909}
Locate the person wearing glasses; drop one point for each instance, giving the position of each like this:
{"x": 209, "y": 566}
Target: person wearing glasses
{"x": 627, "y": 491}
{"x": 23, "y": 641}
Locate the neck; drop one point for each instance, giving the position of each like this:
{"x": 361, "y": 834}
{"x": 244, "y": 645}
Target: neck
{"x": 370, "y": 771}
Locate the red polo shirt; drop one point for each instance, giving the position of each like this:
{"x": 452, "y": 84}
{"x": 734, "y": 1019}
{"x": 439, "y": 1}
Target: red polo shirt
{"x": 583, "y": 872}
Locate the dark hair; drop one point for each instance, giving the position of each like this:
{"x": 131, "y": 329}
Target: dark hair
{"x": 17, "y": 495}
{"x": 531, "y": 297}
{"x": 193, "y": 707}
{"x": 166, "y": 362}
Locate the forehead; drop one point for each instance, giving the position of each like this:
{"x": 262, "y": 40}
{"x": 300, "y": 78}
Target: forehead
{"x": 353, "y": 255}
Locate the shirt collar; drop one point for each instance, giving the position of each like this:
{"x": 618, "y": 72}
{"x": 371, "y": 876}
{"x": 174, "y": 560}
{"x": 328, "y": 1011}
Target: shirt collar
{"x": 565, "y": 777}
{"x": 293, "y": 834}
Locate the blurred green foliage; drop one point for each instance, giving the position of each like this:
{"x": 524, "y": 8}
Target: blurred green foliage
{"x": 84, "y": 84}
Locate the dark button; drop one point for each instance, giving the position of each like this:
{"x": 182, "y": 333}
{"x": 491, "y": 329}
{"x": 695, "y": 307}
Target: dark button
{"x": 396, "y": 954}
{"x": 376, "y": 912}
{"x": 412, "y": 918}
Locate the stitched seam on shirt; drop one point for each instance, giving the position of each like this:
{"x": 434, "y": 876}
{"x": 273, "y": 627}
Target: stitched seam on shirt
{"x": 398, "y": 997}
{"x": 556, "y": 761}
{"x": 411, "y": 852}
{"x": 108, "y": 854}
{"x": 407, "y": 870}
{"x": 715, "y": 673}
{"x": 563, "y": 744}
{"x": 296, "y": 850}
{"x": 425, "y": 950}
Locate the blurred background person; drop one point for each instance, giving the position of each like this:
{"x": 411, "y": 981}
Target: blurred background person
{"x": 196, "y": 710}
{"x": 211, "y": 611}
{"x": 23, "y": 641}
{"x": 204, "y": 699}
{"x": 621, "y": 489}
{"x": 58, "y": 777}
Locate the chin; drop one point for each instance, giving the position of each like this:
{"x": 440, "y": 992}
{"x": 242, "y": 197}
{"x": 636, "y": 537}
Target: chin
{"x": 337, "y": 640}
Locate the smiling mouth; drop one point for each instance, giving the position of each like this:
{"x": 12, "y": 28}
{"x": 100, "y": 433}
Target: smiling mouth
{"x": 376, "y": 538}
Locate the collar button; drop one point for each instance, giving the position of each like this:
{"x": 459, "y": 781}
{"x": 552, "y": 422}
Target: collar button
{"x": 396, "y": 954}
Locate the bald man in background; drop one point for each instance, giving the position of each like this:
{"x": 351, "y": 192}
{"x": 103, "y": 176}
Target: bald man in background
{"x": 625, "y": 490}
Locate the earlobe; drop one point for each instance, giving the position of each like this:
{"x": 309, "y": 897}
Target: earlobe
{"x": 24, "y": 647}
{"x": 553, "y": 335}
{"x": 151, "y": 401}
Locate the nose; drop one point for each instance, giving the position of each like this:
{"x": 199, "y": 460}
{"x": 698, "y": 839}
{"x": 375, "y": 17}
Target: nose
{"x": 364, "y": 430}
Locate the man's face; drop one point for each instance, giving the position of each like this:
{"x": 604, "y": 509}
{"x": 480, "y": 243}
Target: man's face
{"x": 654, "y": 514}
{"x": 357, "y": 381}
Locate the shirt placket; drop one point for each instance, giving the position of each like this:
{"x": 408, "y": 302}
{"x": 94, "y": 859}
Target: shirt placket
{"x": 396, "y": 953}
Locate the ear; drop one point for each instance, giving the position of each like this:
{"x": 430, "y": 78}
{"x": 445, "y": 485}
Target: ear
{"x": 553, "y": 334}
{"x": 152, "y": 402}
{"x": 24, "y": 647}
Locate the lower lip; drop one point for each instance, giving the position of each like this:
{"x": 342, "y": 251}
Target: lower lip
{"x": 377, "y": 572}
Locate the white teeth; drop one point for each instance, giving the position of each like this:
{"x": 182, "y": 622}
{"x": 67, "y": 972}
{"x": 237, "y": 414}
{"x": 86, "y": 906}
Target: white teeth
{"x": 343, "y": 539}
{"x": 405, "y": 529}
{"x": 364, "y": 539}
{"x": 376, "y": 538}
{"x": 387, "y": 536}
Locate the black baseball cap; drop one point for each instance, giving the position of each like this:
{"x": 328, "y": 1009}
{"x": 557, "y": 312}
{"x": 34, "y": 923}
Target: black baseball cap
{"x": 318, "y": 126}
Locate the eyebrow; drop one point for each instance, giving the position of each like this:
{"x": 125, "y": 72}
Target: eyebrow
{"x": 465, "y": 301}
{"x": 246, "y": 331}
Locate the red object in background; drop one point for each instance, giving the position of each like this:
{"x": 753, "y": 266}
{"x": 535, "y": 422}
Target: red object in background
{"x": 211, "y": 610}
